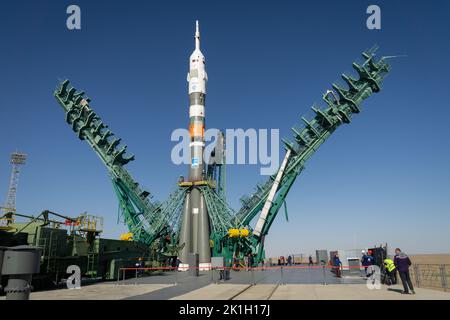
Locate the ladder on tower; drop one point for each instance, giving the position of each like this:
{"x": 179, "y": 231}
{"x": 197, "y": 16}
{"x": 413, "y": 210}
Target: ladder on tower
{"x": 52, "y": 253}
{"x": 92, "y": 264}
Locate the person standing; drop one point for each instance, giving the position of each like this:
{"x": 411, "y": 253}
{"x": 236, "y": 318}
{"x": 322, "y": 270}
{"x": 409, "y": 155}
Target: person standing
{"x": 139, "y": 267}
{"x": 235, "y": 262}
{"x": 289, "y": 260}
{"x": 246, "y": 262}
{"x": 402, "y": 263}
{"x": 250, "y": 260}
{"x": 310, "y": 262}
{"x": 366, "y": 261}
{"x": 337, "y": 265}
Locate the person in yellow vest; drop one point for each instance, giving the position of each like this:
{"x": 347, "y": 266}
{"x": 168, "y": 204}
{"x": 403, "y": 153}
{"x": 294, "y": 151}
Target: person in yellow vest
{"x": 391, "y": 270}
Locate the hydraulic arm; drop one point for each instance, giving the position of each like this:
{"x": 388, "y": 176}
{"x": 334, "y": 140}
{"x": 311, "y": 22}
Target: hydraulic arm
{"x": 143, "y": 217}
{"x": 341, "y": 104}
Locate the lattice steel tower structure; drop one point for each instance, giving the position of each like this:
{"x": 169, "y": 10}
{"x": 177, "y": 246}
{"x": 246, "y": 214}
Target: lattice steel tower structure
{"x": 196, "y": 217}
{"x": 17, "y": 160}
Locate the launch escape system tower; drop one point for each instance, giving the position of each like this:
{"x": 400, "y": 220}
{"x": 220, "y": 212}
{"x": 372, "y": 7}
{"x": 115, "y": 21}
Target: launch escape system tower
{"x": 196, "y": 219}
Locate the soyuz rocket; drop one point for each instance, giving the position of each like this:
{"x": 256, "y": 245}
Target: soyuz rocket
{"x": 195, "y": 225}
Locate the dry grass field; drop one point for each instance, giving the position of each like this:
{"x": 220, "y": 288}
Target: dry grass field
{"x": 441, "y": 258}
{"x": 430, "y": 258}
{"x": 431, "y": 271}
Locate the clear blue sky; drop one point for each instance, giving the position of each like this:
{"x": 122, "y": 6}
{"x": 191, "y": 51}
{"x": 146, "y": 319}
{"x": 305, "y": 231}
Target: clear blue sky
{"x": 384, "y": 178}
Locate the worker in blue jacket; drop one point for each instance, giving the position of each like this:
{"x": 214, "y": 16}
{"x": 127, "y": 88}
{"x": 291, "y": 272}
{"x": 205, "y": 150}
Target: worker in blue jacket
{"x": 366, "y": 261}
{"x": 337, "y": 265}
{"x": 402, "y": 263}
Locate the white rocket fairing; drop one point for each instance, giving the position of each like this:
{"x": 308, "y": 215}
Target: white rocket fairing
{"x": 197, "y": 76}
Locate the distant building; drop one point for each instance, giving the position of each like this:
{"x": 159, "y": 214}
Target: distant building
{"x": 350, "y": 258}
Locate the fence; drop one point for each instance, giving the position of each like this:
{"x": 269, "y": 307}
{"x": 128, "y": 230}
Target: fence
{"x": 295, "y": 274}
{"x": 433, "y": 276}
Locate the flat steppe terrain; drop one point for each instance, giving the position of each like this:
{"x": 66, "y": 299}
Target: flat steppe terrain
{"x": 430, "y": 258}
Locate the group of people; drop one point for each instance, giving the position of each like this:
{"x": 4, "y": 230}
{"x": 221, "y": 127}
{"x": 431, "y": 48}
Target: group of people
{"x": 400, "y": 264}
{"x": 285, "y": 262}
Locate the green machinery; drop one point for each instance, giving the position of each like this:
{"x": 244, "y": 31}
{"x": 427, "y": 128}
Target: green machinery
{"x": 67, "y": 241}
{"x": 232, "y": 235}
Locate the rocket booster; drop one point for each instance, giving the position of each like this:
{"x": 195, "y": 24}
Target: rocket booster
{"x": 195, "y": 228}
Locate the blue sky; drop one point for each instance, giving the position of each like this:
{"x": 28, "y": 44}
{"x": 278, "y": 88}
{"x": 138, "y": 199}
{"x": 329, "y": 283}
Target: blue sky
{"x": 384, "y": 178}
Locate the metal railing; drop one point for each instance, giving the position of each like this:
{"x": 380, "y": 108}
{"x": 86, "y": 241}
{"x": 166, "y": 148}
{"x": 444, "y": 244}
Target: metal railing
{"x": 281, "y": 275}
{"x": 432, "y": 276}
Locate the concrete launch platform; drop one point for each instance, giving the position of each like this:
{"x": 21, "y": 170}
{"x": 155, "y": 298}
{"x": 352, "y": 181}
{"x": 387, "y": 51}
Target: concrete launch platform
{"x": 353, "y": 292}
{"x": 267, "y": 285}
{"x": 112, "y": 291}
{"x": 308, "y": 292}
{"x": 101, "y": 291}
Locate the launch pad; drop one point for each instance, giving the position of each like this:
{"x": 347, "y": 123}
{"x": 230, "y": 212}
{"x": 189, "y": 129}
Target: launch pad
{"x": 196, "y": 219}
{"x": 306, "y": 285}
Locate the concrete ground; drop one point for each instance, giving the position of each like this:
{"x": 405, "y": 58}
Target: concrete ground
{"x": 100, "y": 291}
{"x": 258, "y": 292}
{"x": 308, "y": 292}
{"x": 112, "y": 291}
{"x": 184, "y": 284}
{"x": 214, "y": 292}
{"x": 353, "y": 292}
{"x": 291, "y": 285}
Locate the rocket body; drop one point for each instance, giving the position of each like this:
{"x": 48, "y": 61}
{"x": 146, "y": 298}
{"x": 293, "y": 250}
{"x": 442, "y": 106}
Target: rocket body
{"x": 195, "y": 228}
{"x": 197, "y": 78}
